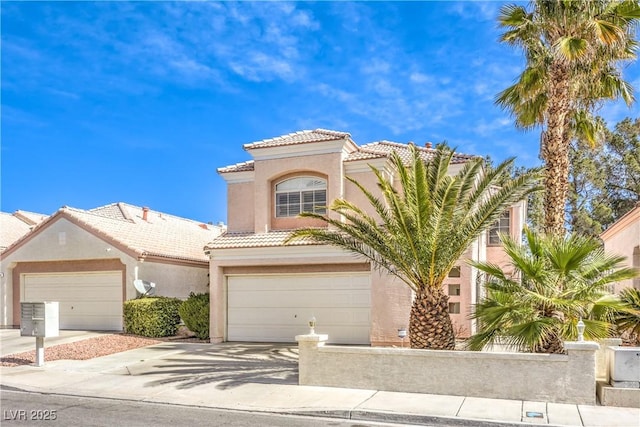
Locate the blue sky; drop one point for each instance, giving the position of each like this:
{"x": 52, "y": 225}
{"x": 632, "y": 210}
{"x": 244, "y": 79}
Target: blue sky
{"x": 140, "y": 102}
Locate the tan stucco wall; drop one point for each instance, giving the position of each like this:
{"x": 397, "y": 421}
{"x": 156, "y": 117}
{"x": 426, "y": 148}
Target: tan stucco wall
{"x": 80, "y": 245}
{"x": 623, "y": 238}
{"x": 174, "y": 280}
{"x": 267, "y": 172}
{"x": 558, "y": 378}
{"x": 240, "y": 207}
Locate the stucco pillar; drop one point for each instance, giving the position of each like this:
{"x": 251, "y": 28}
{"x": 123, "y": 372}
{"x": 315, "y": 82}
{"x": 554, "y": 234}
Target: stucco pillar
{"x": 307, "y": 350}
{"x": 602, "y": 358}
{"x": 581, "y": 370}
{"x": 217, "y": 304}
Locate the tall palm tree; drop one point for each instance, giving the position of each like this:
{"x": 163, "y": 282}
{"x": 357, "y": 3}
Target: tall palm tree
{"x": 574, "y": 50}
{"x": 419, "y": 231}
{"x": 536, "y": 302}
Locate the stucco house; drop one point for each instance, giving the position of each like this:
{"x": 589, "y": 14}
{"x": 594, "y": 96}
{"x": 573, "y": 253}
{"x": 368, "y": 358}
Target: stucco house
{"x": 14, "y": 226}
{"x": 88, "y": 259}
{"x": 264, "y": 290}
{"x": 623, "y": 238}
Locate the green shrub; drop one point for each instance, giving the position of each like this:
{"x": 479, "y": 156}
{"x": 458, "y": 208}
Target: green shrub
{"x": 195, "y": 314}
{"x": 152, "y": 316}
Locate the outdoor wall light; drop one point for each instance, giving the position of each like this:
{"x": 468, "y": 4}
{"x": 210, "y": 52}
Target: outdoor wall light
{"x": 312, "y": 325}
{"x": 580, "y": 330}
{"x": 402, "y": 333}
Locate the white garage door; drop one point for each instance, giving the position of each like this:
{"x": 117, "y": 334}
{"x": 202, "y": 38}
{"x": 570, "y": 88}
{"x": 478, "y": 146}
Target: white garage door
{"x": 90, "y": 301}
{"x": 276, "y": 308}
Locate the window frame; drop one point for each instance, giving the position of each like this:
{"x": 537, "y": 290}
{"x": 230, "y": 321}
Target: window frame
{"x": 302, "y": 192}
{"x": 499, "y": 228}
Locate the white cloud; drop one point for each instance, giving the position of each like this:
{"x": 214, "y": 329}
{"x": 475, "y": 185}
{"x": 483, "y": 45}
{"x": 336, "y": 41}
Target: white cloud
{"x": 486, "y": 128}
{"x": 420, "y": 78}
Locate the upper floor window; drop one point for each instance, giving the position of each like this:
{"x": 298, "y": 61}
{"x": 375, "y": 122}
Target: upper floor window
{"x": 501, "y": 226}
{"x": 302, "y": 194}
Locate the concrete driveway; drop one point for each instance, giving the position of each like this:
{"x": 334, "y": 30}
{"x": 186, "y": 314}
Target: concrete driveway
{"x": 224, "y": 365}
{"x": 11, "y": 342}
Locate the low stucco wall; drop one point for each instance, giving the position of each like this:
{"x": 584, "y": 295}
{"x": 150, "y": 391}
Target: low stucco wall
{"x": 566, "y": 378}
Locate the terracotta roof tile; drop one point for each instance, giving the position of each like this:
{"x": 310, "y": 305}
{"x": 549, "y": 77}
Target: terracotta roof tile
{"x": 161, "y": 235}
{"x": 384, "y": 148}
{"x": 238, "y": 167}
{"x": 31, "y": 218}
{"x": 374, "y": 150}
{"x": 13, "y": 227}
{"x": 301, "y": 137}
{"x": 253, "y": 240}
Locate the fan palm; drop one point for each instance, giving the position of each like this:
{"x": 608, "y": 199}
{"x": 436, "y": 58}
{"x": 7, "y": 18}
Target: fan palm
{"x": 552, "y": 281}
{"x": 573, "y": 51}
{"x": 628, "y": 319}
{"x": 421, "y": 230}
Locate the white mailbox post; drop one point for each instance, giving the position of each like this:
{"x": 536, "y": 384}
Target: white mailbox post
{"x": 40, "y": 320}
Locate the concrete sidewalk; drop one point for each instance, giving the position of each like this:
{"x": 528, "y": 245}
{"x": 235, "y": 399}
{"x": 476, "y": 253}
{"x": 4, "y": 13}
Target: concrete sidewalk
{"x": 264, "y": 378}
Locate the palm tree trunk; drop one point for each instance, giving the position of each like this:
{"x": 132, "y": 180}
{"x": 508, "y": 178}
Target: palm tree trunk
{"x": 555, "y": 150}
{"x": 552, "y": 344}
{"x": 430, "y": 324}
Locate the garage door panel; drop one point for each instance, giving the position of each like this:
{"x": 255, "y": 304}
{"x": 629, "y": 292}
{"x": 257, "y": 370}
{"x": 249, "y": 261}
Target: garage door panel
{"x": 299, "y": 298}
{"x": 277, "y": 308}
{"x": 91, "y": 300}
{"x": 78, "y": 293}
{"x": 286, "y": 316}
{"x": 96, "y": 323}
{"x": 282, "y": 283}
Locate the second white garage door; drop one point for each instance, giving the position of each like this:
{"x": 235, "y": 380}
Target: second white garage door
{"x": 276, "y": 308}
{"x": 91, "y": 300}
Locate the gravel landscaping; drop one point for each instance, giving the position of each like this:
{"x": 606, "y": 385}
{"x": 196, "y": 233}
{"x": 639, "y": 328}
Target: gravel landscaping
{"x": 82, "y": 350}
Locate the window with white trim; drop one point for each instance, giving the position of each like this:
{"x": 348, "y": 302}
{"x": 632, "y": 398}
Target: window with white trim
{"x": 501, "y": 226}
{"x": 301, "y": 194}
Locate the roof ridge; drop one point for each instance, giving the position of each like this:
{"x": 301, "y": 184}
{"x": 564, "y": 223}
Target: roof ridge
{"x": 19, "y": 215}
{"x": 332, "y": 132}
{"x": 320, "y": 131}
{"x": 124, "y": 210}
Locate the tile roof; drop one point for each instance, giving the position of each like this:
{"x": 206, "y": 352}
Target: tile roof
{"x": 160, "y": 235}
{"x": 16, "y": 225}
{"x": 238, "y": 167}
{"x": 31, "y": 218}
{"x": 300, "y": 137}
{"x": 384, "y": 148}
{"x": 373, "y": 150}
{"x": 253, "y": 240}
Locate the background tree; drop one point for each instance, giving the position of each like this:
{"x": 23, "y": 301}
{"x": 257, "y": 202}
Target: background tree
{"x": 604, "y": 182}
{"x": 573, "y": 51}
{"x": 586, "y": 200}
{"x": 552, "y": 282}
{"x": 420, "y": 230}
{"x": 623, "y": 167}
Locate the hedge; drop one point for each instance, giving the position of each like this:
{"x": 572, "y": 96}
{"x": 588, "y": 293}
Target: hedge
{"x": 195, "y": 314}
{"x": 152, "y": 316}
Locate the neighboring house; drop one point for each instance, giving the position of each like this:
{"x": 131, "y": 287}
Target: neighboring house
{"x": 623, "y": 238}
{"x": 88, "y": 259}
{"x": 264, "y": 290}
{"x": 14, "y": 226}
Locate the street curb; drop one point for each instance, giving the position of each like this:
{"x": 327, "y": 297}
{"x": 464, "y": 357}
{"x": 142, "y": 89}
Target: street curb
{"x": 344, "y": 414}
{"x": 395, "y": 417}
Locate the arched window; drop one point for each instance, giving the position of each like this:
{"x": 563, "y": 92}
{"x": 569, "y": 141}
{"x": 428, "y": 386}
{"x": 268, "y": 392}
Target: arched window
{"x": 301, "y": 194}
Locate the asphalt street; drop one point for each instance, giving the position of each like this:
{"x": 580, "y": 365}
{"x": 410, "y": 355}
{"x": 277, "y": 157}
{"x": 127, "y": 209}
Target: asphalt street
{"x": 37, "y": 409}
